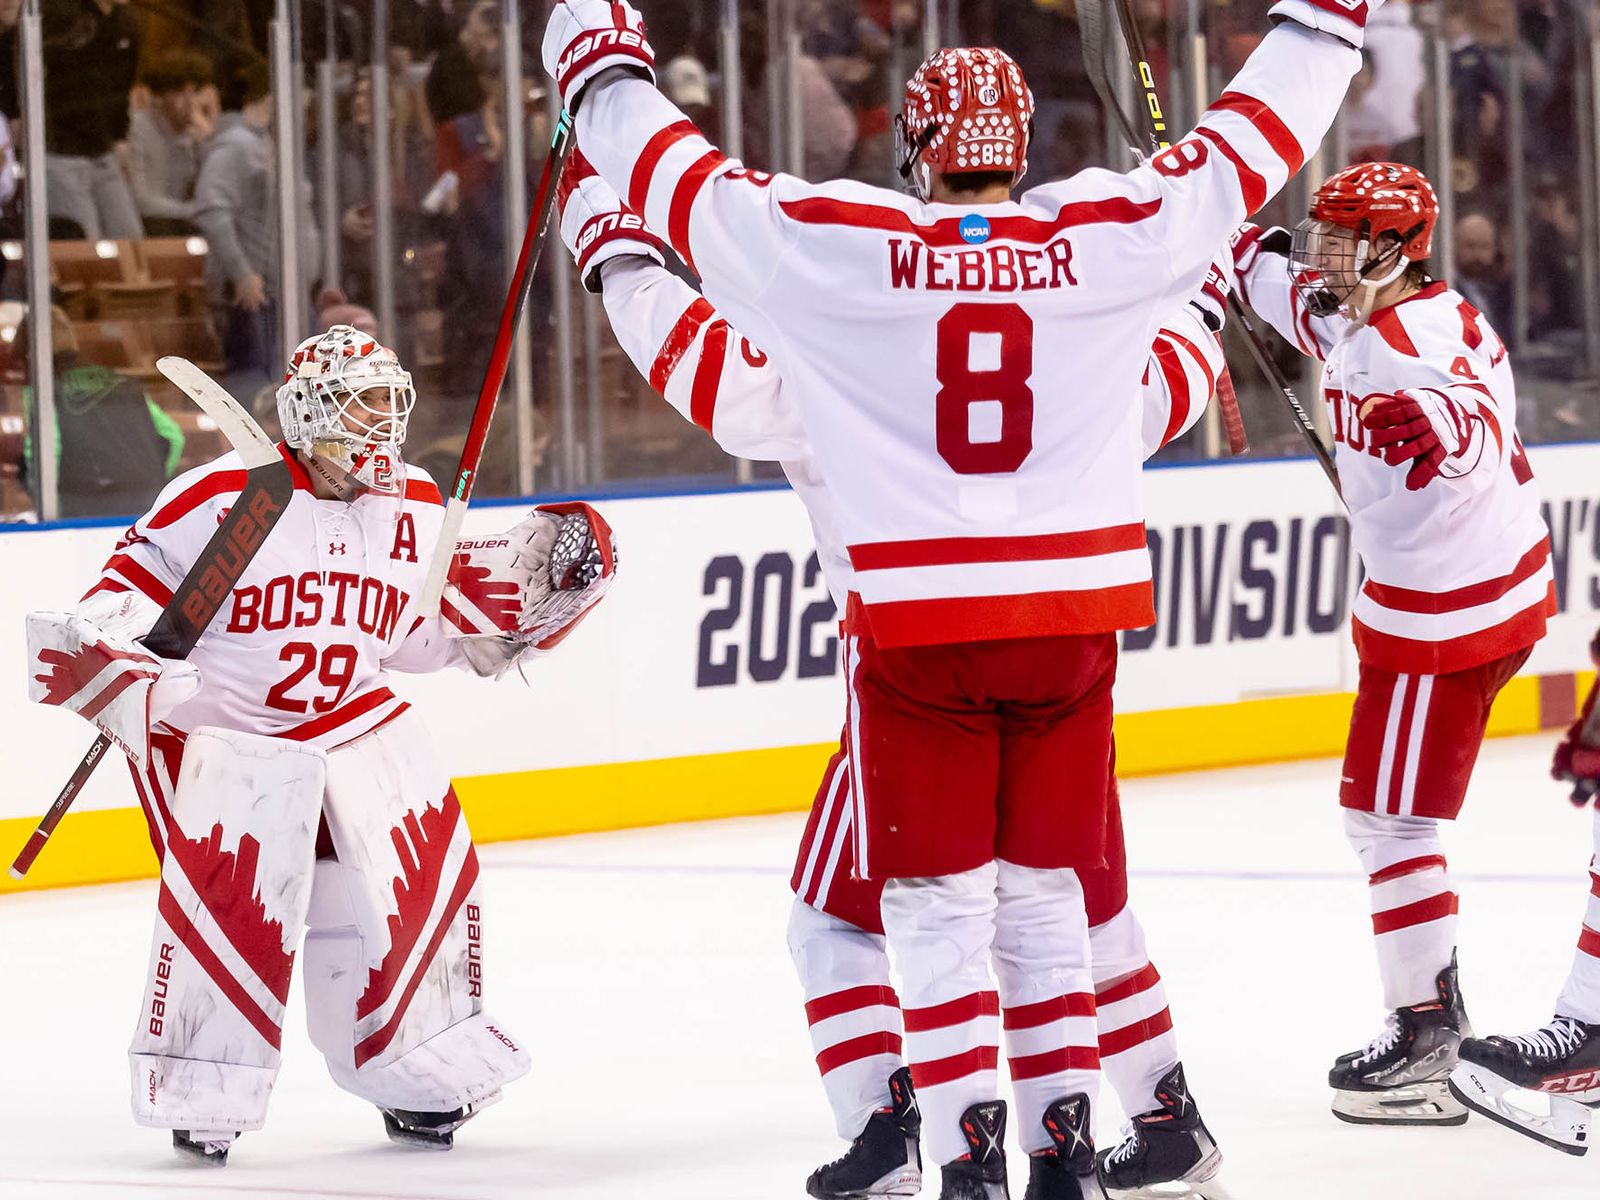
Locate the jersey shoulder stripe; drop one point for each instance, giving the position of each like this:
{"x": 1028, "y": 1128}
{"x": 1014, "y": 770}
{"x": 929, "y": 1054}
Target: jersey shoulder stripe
{"x": 945, "y": 233}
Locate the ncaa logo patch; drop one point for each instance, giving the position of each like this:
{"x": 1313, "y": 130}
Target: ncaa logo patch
{"x": 974, "y": 230}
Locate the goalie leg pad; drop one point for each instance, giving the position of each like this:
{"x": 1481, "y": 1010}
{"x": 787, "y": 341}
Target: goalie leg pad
{"x": 394, "y": 978}
{"x": 235, "y": 884}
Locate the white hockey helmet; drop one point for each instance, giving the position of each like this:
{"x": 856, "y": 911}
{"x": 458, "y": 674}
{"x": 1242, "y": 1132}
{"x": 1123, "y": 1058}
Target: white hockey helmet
{"x": 346, "y": 399}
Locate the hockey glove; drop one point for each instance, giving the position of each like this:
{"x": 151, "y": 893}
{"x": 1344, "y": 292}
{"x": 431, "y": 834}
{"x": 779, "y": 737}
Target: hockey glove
{"x": 1577, "y": 757}
{"x": 596, "y": 226}
{"x": 91, "y": 663}
{"x": 1343, "y": 19}
{"x": 1212, "y": 301}
{"x": 1249, "y": 242}
{"x": 1427, "y": 430}
{"x": 585, "y": 38}
{"x": 524, "y": 592}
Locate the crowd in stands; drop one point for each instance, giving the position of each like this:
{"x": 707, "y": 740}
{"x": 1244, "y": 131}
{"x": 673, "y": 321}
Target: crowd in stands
{"x": 159, "y": 119}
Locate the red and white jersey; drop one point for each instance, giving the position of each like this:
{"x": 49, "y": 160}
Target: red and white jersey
{"x": 303, "y": 646}
{"x": 1458, "y": 572}
{"x": 968, "y": 379}
{"x": 720, "y": 381}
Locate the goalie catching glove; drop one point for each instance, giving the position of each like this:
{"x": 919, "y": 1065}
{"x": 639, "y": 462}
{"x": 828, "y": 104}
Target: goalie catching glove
{"x": 91, "y": 662}
{"x": 523, "y": 592}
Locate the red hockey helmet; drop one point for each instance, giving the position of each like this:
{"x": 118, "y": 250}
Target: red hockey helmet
{"x": 1374, "y": 199}
{"x": 966, "y": 112}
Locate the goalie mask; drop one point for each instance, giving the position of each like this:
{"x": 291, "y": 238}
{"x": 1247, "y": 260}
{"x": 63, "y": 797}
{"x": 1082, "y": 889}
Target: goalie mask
{"x": 347, "y": 400}
{"x": 1368, "y": 223}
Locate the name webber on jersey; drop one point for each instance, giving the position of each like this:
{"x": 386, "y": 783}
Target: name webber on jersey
{"x": 913, "y": 265}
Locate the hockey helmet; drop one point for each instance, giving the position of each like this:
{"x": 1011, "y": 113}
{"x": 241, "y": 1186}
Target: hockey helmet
{"x": 1368, "y": 223}
{"x": 346, "y": 399}
{"x": 966, "y": 112}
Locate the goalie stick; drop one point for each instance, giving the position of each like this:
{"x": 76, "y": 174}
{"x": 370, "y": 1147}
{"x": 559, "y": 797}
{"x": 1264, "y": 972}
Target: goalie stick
{"x": 1091, "y": 25}
{"x": 266, "y": 493}
{"x": 455, "y": 510}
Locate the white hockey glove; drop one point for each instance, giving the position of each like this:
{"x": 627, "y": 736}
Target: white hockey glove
{"x": 1344, "y": 19}
{"x": 1211, "y": 302}
{"x": 91, "y": 663}
{"x": 597, "y": 226}
{"x": 1250, "y": 242}
{"x": 585, "y": 38}
{"x": 521, "y": 594}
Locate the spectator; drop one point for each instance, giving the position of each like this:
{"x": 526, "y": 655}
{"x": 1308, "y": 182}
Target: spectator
{"x": 1556, "y": 259}
{"x": 686, "y": 83}
{"x": 10, "y": 98}
{"x": 828, "y": 127}
{"x": 335, "y": 308}
{"x": 1481, "y": 274}
{"x": 116, "y": 447}
{"x": 234, "y": 208}
{"x": 91, "y": 53}
{"x": 455, "y": 84}
{"x": 164, "y": 145}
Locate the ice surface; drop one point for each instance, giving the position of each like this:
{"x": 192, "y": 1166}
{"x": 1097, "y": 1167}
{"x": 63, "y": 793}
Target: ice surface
{"x": 648, "y": 976}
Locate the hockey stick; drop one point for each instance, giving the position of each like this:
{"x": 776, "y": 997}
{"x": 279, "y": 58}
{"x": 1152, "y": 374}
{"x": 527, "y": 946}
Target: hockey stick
{"x": 455, "y": 511}
{"x": 1091, "y": 26}
{"x": 1258, "y": 347}
{"x": 266, "y": 493}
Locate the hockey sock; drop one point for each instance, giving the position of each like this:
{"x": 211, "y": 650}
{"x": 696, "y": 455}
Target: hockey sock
{"x": 1580, "y": 997}
{"x": 1041, "y": 957}
{"x": 853, "y": 1012}
{"x": 1137, "y": 1044}
{"x": 1413, "y": 902}
{"x": 941, "y": 930}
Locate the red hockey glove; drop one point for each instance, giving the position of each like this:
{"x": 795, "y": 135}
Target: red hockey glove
{"x": 1211, "y": 302}
{"x": 1344, "y": 19}
{"x": 585, "y": 38}
{"x": 595, "y": 224}
{"x": 1577, "y": 757}
{"x": 1403, "y": 432}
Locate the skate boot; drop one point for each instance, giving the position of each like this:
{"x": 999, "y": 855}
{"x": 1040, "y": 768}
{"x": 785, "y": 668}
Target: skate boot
{"x": 1066, "y": 1170}
{"x": 1402, "y": 1077}
{"x": 206, "y": 1147}
{"x": 1166, "y": 1153}
{"x": 429, "y": 1130}
{"x": 1541, "y": 1084}
{"x": 885, "y": 1160}
{"x": 981, "y": 1173}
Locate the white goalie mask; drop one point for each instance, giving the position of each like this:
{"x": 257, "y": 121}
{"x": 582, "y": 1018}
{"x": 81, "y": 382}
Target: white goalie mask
{"x": 346, "y": 399}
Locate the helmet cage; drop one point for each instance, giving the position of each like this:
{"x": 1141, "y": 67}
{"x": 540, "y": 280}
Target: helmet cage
{"x": 347, "y": 399}
{"x": 1328, "y": 262}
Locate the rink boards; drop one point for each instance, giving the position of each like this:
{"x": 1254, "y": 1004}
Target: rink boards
{"x": 707, "y": 685}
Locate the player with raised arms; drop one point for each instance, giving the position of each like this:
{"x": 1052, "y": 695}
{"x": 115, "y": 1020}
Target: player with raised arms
{"x": 687, "y": 352}
{"x": 288, "y": 788}
{"x": 994, "y": 529}
{"x": 1445, "y": 515}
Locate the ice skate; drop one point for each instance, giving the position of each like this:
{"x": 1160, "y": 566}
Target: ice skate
{"x": 429, "y": 1130}
{"x": 1168, "y": 1152}
{"x": 1401, "y": 1077}
{"x": 1066, "y": 1170}
{"x": 1541, "y": 1084}
{"x": 885, "y": 1160}
{"x": 205, "y": 1147}
{"x": 981, "y": 1173}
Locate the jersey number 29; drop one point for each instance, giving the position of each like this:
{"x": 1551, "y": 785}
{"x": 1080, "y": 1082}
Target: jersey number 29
{"x": 984, "y": 408}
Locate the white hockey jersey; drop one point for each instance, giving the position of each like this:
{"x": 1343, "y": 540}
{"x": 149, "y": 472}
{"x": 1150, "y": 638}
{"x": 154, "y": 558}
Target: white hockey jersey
{"x": 1458, "y": 572}
{"x": 968, "y": 379}
{"x": 727, "y": 386}
{"x": 302, "y": 647}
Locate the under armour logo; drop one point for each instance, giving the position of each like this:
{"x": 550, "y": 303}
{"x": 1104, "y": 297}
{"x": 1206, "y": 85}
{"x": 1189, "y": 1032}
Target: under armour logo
{"x": 336, "y": 548}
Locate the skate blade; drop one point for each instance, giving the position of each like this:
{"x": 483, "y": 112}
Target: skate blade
{"x": 1427, "y": 1103}
{"x": 1201, "y": 1183}
{"x": 1556, "y": 1121}
{"x": 902, "y": 1181}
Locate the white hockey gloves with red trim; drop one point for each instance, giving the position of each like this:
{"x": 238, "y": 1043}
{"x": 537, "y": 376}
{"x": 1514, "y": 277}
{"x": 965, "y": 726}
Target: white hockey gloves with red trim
{"x": 597, "y": 226}
{"x": 1344, "y": 19}
{"x": 522, "y": 593}
{"x": 91, "y": 663}
{"x": 585, "y": 38}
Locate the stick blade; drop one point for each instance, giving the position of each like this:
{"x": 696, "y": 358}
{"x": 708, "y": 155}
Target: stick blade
{"x": 237, "y": 425}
